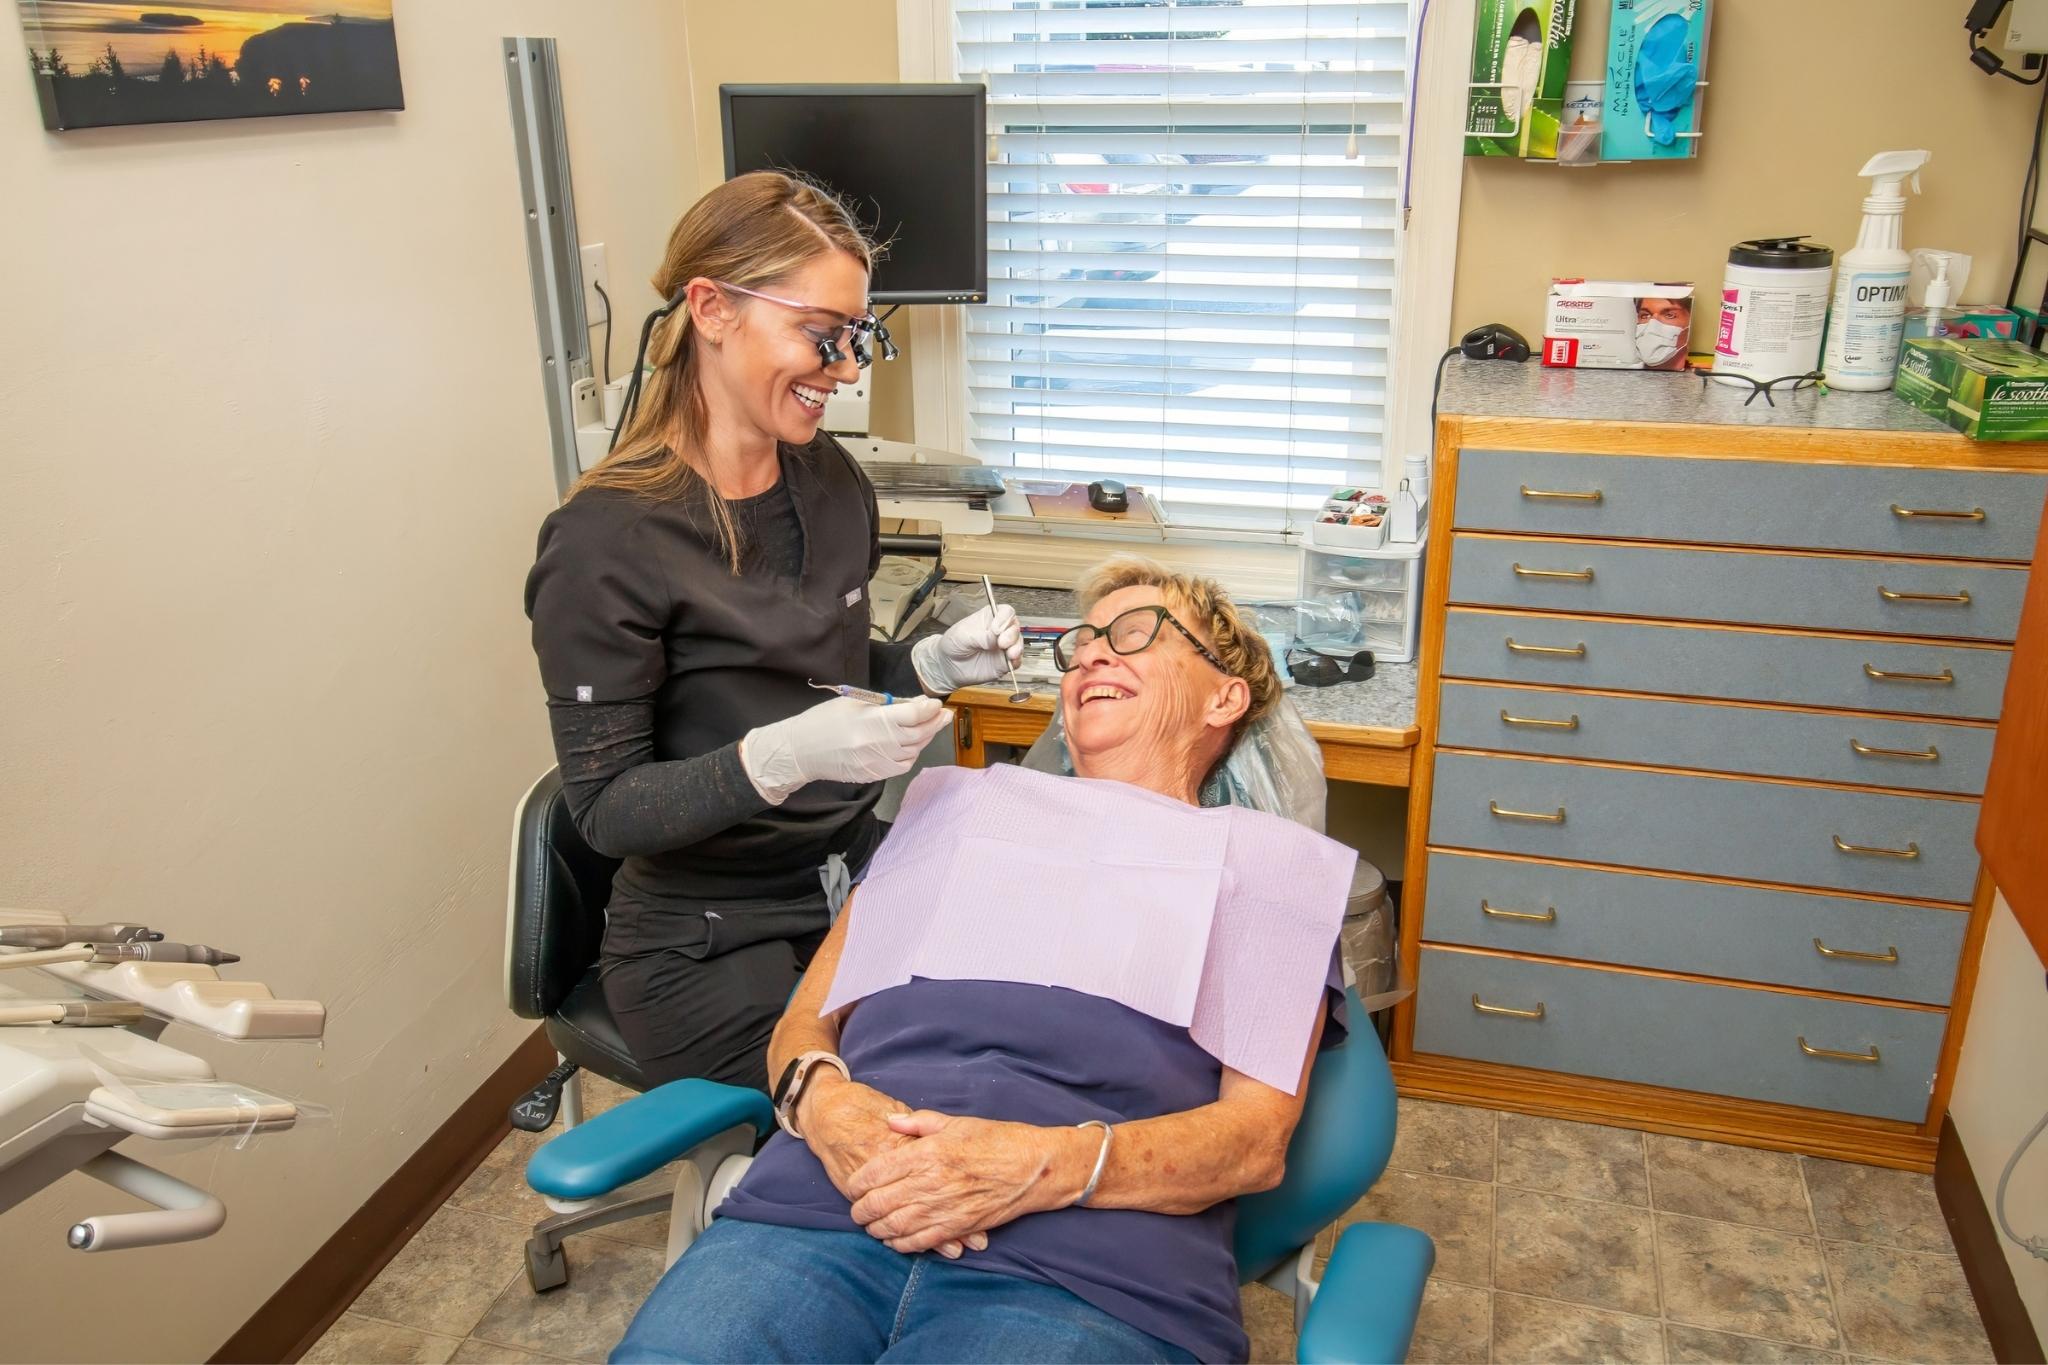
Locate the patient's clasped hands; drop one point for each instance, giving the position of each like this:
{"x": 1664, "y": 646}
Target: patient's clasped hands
{"x": 925, "y": 1181}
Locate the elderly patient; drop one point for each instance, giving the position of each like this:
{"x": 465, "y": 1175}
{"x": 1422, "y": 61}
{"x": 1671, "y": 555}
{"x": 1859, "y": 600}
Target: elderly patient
{"x": 1026, "y": 1158}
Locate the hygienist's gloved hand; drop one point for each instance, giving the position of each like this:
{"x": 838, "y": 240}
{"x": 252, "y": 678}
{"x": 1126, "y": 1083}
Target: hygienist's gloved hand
{"x": 979, "y": 649}
{"x": 841, "y": 740}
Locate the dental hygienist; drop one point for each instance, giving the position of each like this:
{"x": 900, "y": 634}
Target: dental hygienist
{"x": 684, "y": 599}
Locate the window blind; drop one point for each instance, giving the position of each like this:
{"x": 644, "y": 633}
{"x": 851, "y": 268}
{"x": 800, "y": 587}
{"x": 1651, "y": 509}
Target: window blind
{"x": 1193, "y": 208}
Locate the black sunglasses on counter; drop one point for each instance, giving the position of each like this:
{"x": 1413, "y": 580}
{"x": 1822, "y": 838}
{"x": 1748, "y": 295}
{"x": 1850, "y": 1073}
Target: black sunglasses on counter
{"x": 1313, "y": 669}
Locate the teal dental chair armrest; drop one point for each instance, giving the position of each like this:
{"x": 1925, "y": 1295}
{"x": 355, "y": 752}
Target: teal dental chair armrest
{"x": 1371, "y": 1292}
{"x": 641, "y": 1136}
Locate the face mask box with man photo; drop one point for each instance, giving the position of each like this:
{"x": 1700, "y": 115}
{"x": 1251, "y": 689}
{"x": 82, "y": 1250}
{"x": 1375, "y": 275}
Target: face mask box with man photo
{"x": 1617, "y": 325}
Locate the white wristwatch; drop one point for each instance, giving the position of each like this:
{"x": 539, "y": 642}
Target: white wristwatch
{"x": 790, "y": 1089}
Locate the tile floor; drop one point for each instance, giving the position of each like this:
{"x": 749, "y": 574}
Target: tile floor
{"x": 1555, "y": 1242}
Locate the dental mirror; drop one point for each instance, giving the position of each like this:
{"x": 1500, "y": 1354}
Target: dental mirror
{"x": 1019, "y": 694}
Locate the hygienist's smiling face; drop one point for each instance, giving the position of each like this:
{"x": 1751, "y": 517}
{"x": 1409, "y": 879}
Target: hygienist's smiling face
{"x": 1160, "y": 717}
{"x": 766, "y": 365}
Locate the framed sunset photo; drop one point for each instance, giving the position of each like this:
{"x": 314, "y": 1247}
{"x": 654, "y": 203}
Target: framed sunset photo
{"x": 99, "y": 64}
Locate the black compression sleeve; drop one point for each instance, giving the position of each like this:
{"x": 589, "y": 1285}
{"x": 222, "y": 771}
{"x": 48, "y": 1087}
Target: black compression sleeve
{"x": 890, "y": 669}
{"x": 625, "y": 803}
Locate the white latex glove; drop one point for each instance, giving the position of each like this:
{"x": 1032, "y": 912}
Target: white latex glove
{"x": 978, "y": 649}
{"x": 841, "y": 740}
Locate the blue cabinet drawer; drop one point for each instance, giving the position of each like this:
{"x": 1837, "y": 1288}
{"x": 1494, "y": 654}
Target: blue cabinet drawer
{"x": 1736, "y": 665}
{"x": 1917, "y": 754}
{"x": 1917, "y": 847}
{"x": 1685, "y": 1035}
{"x": 1753, "y": 502}
{"x": 1746, "y": 933}
{"x": 1822, "y": 592}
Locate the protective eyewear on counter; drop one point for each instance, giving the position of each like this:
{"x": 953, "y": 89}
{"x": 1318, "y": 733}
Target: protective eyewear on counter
{"x": 1763, "y": 387}
{"x": 1312, "y": 669}
{"x": 852, "y": 335}
{"x": 1131, "y": 632}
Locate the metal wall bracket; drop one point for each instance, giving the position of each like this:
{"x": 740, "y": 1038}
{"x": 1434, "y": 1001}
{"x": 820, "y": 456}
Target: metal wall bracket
{"x": 541, "y": 141}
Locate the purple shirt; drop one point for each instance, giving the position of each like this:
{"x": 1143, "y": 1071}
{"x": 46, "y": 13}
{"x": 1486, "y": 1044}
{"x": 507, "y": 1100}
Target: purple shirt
{"x": 1054, "y": 1057}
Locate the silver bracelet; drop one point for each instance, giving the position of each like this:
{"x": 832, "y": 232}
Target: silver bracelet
{"x": 1101, "y": 1159}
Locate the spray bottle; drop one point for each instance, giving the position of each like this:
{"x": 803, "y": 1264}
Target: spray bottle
{"x": 1869, "y": 312}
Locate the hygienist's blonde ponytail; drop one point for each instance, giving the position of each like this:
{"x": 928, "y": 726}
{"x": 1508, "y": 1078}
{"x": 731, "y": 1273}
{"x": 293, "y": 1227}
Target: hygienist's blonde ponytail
{"x": 754, "y": 231}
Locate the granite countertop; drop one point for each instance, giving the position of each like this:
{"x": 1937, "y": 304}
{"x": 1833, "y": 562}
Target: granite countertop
{"x": 1493, "y": 388}
{"x": 1384, "y": 701}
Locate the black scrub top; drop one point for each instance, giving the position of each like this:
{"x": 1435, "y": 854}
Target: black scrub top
{"x": 633, "y": 599}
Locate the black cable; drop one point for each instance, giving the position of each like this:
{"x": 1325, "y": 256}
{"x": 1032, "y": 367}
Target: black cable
{"x": 893, "y": 308}
{"x": 1988, "y": 62}
{"x": 606, "y": 300}
{"x": 640, "y": 363}
{"x": 1436, "y": 390}
{"x": 2030, "y": 195}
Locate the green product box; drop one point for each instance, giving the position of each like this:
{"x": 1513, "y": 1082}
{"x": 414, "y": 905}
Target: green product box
{"x": 1987, "y": 389}
{"x": 1518, "y": 47}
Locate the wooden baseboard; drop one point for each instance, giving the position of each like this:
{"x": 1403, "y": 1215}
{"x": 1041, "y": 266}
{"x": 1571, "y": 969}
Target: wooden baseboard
{"x": 307, "y": 1304}
{"x": 1713, "y": 1118}
{"x": 2013, "y": 1341}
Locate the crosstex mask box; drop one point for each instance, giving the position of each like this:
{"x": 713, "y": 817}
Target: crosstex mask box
{"x": 1617, "y": 325}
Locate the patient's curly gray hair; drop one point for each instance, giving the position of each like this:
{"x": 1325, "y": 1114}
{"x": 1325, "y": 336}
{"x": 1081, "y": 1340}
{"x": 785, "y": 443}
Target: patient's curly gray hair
{"x": 1203, "y": 607}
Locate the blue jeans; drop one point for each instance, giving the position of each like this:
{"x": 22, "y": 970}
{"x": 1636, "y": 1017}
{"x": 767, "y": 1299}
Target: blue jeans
{"x": 758, "y": 1292}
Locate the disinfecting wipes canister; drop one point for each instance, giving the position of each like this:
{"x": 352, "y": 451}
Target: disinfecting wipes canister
{"x": 1774, "y": 308}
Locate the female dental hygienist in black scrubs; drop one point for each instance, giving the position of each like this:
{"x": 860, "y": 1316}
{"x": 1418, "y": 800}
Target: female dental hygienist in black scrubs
{"x": 683, "y": 600}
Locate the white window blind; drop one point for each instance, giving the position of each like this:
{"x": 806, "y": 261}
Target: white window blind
{"x": 1193, "y": 208}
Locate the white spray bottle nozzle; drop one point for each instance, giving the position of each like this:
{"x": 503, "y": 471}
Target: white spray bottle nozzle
{"x": 1886, "y": 171}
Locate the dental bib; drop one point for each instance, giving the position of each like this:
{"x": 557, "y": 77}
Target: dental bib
{"x": 1221, "y": 920}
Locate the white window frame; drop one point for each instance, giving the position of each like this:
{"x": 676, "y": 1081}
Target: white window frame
{"x": 1426, "y": 250}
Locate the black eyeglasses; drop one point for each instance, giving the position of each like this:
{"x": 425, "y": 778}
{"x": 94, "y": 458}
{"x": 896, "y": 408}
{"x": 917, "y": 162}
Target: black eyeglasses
{"x": 1763, "y": 386}
{"x": 1131, "y": 632}
{"x": 1312, "y": 669}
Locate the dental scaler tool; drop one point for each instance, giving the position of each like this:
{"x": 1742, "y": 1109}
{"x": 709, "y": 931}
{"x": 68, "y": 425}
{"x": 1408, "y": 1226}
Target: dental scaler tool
{"x": 861, "y": 694}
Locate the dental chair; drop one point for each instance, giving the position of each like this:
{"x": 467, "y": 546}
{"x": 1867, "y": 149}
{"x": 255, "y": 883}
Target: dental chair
{"x": 554, "y": 922}
{"x": 1364, "y": 1306}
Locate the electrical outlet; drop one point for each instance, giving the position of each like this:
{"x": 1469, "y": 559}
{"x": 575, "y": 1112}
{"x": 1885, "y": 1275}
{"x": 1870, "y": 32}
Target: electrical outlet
{"x": 2026, "y": 30}
{"x": 594, "y": 275}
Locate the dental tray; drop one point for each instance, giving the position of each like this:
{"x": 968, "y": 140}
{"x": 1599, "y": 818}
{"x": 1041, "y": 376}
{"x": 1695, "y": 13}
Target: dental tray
{"x": 183, "y": 1109}
{"x": 196, "y": 995}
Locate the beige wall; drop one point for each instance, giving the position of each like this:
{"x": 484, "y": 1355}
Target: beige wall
{"x": 275, "y": 457}
{"x": 1801, "y": 95}
{"x": 799, "y": 40}
{"x": 2001, "y": 1090}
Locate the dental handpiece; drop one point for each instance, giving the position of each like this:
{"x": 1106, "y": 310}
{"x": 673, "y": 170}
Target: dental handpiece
{"x": 57, "y": 935}
{"x": 163, "y": 952}
{"x": 861, "y": 694}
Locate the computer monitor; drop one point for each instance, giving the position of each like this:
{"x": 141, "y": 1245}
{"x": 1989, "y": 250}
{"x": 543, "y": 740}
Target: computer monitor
{"x": 908, "y": 159}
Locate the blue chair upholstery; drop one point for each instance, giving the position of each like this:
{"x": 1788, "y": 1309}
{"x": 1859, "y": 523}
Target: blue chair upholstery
{"x": 1364, "y": 1309}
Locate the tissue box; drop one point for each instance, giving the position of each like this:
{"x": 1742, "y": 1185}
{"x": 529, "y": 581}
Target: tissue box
{"x": 1988, "y": 390}
{"x": 1592, "y": 325}
{"x": 1518, "y": 46}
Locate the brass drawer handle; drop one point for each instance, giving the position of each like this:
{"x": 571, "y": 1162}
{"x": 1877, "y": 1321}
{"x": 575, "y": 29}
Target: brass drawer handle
{"x": 1928, "y": 755}
{"x": 1594, "y": 496}
{"x": 1960, "y": 599}
{"x": 1539, "y": 723}
{"x": 1575, "y": 651}
{"x": 1504, "y": 813}
{"x": 1576, "y": 575}
{"x": 1974, "y": 514}
{"x": 1943, "y": 678}
{"x": 1909, "y": 851}
{"x": 1510, "y": 1012}
{"x": 1812, "y": 1051}
{"x": 1890, "y": 954}
{"x": 1546, "y": 917}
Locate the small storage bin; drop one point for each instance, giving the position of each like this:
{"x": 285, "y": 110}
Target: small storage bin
{"x": 1381, "y": 588}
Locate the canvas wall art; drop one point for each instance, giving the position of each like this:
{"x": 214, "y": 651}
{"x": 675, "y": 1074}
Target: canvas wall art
{"x": 98, "y": 63}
